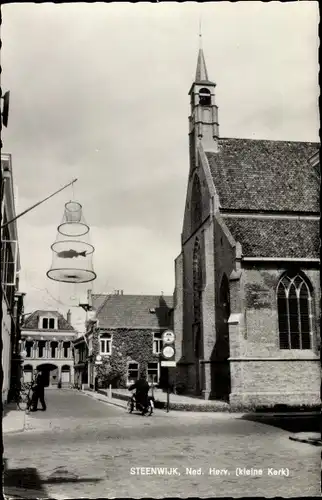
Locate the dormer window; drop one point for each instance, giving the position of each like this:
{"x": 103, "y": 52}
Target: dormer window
{"x": 204, "y": 97}
{"x": 48, "y": 323}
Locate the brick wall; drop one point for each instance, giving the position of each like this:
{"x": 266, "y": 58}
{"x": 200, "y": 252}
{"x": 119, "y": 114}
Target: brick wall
{"x": 269, "y": 382}
{"x": 260, "y": 305}
{"x": 264, "y": 374}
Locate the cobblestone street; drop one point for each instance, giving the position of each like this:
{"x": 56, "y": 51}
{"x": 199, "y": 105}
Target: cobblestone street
{"x": 81, "y": 447}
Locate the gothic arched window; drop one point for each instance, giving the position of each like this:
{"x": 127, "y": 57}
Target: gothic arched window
{"x": 204, "y": 97}
{"x": 197, "y": 302}
{"x": 196, "y": 203}
{"x": 294, "y": 312}
{"x": 224, "y": 297}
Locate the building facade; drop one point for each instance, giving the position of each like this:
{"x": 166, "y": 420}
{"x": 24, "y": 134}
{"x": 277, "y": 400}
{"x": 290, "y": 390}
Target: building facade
{"x": 47, "y": 341}
{"x": 247, "y": 296}
{"x": 126, "y": 335}
{"x": 12, "y": 299}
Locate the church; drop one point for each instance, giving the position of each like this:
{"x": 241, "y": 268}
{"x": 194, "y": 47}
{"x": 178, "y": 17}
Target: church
{"x": 247, "y": 280}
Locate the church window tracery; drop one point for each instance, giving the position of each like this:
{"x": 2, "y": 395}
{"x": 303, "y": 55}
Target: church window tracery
{"x": 294, "y": 303}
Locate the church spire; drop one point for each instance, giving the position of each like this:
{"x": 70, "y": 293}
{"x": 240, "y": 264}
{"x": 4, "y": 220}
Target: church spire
{"x": 201, "y": 72}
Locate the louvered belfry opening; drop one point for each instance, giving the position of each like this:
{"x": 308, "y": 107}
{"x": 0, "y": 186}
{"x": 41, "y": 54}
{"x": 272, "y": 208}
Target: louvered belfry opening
{"x": 72, "y": 258}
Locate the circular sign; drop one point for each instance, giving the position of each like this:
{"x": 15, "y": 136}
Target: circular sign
{"x": 168, "y": 351}
{"x": 98, "y": 357}
{"x": 168, "y": 337}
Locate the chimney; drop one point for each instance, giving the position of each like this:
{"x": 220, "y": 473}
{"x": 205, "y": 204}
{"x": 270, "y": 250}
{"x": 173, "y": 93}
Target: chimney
{"x": 69, "y": 316}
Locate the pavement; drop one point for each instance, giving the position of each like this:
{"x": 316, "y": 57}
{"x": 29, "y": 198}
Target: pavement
{"x": 82, "y": 447}
{"x": 13, "y": 420}
{"x": 313, "y": 438}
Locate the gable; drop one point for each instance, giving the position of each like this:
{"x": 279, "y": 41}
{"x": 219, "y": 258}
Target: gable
{"x": 265, "y": 175}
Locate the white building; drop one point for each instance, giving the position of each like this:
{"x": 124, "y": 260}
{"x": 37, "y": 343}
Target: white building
{"x": 47, "y": 338}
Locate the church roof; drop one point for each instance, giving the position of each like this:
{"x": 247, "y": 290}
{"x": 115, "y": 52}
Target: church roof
{"x": 32, "y": 322}
{"x": 133, "y": 311}
{"x": 283, "y": 238}
{"x": 254, "y": 174}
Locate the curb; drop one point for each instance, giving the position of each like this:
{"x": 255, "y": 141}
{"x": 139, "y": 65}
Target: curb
{"x": 181, "y": 406}
{"x": 103, "y": 400}
{"x": 315, "y": 442}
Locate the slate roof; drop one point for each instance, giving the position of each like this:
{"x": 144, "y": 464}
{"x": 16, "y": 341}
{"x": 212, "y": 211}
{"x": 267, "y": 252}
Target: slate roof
{"x": 31, "y": 323}
{"x": 290, "y": 238}
{"x": 133, "y": 311}
{"x": 265, "y": 175}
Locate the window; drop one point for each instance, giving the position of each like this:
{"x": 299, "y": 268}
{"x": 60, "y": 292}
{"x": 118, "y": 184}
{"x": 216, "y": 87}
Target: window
{"x": 294, "y": 312}
{"x": 157, "y": 343}
{"x": 197, "y": 298}
{"x": 29, "y": 347}
{"x": 41, "y": 349}
{"x": 66, "y": 346}
{"x": 153, "y": 373}
{"x": 132, "y": 373}
{"x": 106, "y": 344}
{"x": 9, "y": 253}
{"x": 90, "y": 346}
{"x": 48, "y": 323}
{"x": 53, "y": 349}
{"x": 196, "y": 204}
{"x": 204, "y": 97}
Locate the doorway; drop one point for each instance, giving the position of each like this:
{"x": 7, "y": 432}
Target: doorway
{"x": 50, "y": 374}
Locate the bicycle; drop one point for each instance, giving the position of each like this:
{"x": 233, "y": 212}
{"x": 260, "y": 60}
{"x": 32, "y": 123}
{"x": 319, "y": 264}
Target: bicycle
{"x": 23, "y": 396}
{"x": 132, "y": 405}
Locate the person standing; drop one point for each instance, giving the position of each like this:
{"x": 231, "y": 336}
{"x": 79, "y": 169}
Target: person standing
{"x": 39, "y": 391}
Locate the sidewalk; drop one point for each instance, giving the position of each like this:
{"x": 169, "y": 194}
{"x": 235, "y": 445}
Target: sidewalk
{"x": 177, "y": 402}
{"x": 307, "y": 437}
{"x": 13, "y": 420}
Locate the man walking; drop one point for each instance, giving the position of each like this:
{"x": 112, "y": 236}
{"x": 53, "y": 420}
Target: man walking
{"x": 39, "y": 391}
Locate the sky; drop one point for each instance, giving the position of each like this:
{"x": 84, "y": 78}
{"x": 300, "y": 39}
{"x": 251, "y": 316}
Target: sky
{"x": 99, "y": 92}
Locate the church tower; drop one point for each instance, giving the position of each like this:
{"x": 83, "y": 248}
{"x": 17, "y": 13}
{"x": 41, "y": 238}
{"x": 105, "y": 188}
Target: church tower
{"x": 203, "y": 121}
